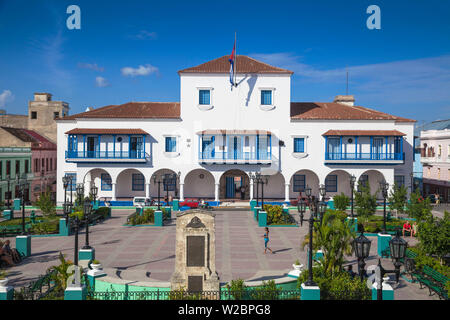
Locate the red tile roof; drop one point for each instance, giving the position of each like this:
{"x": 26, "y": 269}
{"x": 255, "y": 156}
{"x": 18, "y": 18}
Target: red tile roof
{"x": 135, "y": 110}
{"x": 243, "y": 64}
{"x": 106, "y": 131}
{"x": 389, "y": 133}
{"x": 337, "y": 111}
{"x": 25, "y": 135}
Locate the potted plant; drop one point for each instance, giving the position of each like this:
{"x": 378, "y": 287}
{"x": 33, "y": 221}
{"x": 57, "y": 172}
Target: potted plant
{"x": 297, "y": 265}
{"x": 3, "y": 279}
{"x": 96, "y": 265}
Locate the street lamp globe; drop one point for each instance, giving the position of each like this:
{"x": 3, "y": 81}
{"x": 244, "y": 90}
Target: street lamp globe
{"x": 322, "y": 190}
{"x": 352, "y": 181}
{"x": 301, "y": 206}
{"x": 94, "y": 191}
{"x": 361, "y": 246}
{"x": 87, "y": 207}
{"x": 65, "y": 181}
{"x": 80, "y": 189}
{"x": 308, "y": 191}
{"x": 67, "y": 206}
{"x": 398, "y": 246}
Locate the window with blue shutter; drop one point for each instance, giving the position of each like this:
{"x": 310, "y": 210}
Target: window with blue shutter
{"x": 171, "y": 144}
{"x": 266, "y": 97}
{"x": 137, "y": 182}
{"x": 204, "y": 97}
{"x": 299, "y": 182}
{"x": 331, "y": 183}
{"x": 106, "y": 182}
{"x": 299, "y": 144}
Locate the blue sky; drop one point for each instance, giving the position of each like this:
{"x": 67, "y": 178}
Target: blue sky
{"x": 131, "y": 50}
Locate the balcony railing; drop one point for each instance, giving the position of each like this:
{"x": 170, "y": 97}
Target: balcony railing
{"x": 234, "y": 155}
{"x": 106, "y": 155}
{"x": 364, "y": 156}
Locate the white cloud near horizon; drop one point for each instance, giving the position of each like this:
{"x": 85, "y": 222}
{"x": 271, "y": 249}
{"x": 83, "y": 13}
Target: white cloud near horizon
{"x": 139, "y": 71}
{"x": 5, "y": 96}
{"x": 405, "y": 81}
{"x": 101, "y": 82}
{"x": 144, "y": 34}
{"x": 90, "y": 66}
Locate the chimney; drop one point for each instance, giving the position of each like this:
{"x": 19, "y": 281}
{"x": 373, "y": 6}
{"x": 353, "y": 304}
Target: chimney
{"x": 42, "y": 96}
{"x": 346, "y": 100}
{"x": 89, "y": 109}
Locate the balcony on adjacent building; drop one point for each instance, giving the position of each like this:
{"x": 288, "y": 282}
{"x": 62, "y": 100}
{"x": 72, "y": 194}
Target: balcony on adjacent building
{"x": 364, "y": 147}
{"x": 235, "y": 147}
{"x": 106, "y": 145}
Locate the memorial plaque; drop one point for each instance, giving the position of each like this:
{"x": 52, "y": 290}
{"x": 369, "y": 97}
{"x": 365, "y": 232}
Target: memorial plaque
{"x": 195, "y": 283}
{"x": 195, "y": 256}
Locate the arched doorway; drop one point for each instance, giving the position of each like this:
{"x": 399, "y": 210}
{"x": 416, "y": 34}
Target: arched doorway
{"x": 199, "y": 183}
{"x": 102, "y": 180}
{"x": 130, "y": 184}
{"x": 336, "y": 182}
{"x": 372, "y": 178}
{"x": 169, "y": 184}
{"x": 300, "y": 180}
{"x": 234, "y": 185}
{"x": 274, "y": 189}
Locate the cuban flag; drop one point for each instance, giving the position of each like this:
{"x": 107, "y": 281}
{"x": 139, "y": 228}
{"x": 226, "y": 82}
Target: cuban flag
{"x": 232, "y": 60}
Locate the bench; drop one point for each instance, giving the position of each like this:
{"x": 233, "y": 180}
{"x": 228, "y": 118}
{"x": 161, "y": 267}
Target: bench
{"x": 433, "y": 280}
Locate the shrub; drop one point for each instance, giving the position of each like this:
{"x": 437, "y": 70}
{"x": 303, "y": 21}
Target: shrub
{"x": 434, "y": 236}
{"x": 268, "y": 291}
{"x": 46, "y": 204}
{"x": 341, "y": 201}
{"x": 366, "y": 203}
{"x": 275, "y": 215}
{"x": 104, "y": 211}
{"x": 419, "y": 208}
{"x": 237, "y": 289}
{"x": 397, "y": 198}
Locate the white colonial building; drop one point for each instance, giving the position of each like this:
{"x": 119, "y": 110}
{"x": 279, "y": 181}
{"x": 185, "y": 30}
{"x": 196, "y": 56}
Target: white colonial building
{"x": 218, "y": 135}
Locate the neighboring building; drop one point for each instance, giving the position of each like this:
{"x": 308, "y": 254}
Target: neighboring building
{"x": 435, "y": 158}
{"x": 38, "y": 162}
{"x": 218, "y": 136}
{"x": 42, "y": 112}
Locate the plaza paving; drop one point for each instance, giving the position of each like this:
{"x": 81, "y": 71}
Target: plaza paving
{"x": 147, "y": 253}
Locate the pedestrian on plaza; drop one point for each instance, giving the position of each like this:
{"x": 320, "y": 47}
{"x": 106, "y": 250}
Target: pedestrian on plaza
{"x": 266, "y": 241}
{"x": 437, "y": 197}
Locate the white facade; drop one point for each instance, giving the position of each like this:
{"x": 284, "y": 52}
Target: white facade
{"x": 234, "y": 110}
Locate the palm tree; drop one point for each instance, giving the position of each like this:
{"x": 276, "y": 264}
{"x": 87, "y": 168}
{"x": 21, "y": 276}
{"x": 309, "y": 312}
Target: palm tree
{"x": 334, "y": 238}
{"x": 61, "y": 274}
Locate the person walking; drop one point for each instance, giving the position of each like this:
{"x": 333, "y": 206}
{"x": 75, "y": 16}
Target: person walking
{"x": 266, "y": 240}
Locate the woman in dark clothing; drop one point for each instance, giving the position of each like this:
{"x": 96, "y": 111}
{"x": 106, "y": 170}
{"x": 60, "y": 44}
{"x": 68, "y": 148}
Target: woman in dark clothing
{"x": 266, "y": 241}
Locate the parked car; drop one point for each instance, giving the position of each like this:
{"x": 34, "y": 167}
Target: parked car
{"x": 141, "y": 201}
{"x": 193, "y": 204}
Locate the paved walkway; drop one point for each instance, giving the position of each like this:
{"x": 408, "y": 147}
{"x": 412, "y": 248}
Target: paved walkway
{"x": 147, "y": 253}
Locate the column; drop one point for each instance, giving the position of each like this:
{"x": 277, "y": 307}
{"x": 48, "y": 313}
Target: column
{"x": 147, "y": 189}
{"x": 216, "y": 192}
{"x": 181, "y": 191}
{"x": 251, "y": 189}
{"x": 286, "y": 192}
{"x": 113, "y": 192}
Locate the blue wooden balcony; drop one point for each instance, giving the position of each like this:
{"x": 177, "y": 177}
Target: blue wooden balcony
{"x": 367, "y": 158}
{"x": 106, "y": 156}
{"x": 235, "y": 156}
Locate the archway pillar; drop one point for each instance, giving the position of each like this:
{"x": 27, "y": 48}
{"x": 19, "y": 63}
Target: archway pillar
{"x": 251, "y": 189}
{"x": 286, "y": 192}
{"x": 113, "y": 198}
{"x": 216, "y": 191}
{"x": 147, "y": 189}
{"x": 181, "y": 191}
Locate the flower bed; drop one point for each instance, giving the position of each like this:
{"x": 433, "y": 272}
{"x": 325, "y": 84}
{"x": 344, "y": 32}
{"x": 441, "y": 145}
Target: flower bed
{"x": 276, "y": 215}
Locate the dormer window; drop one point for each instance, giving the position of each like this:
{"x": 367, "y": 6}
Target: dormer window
{"x": 204, "y": 97}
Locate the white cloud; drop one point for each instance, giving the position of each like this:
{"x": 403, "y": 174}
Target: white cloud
{"x": 90, "y": 66}
{"x": 5, "y": 96}
{"x": 101, "y": 82}
{"x": 144, "y": 34}
{"x": 140, "y": 71}
{"x": 406, "y": 81}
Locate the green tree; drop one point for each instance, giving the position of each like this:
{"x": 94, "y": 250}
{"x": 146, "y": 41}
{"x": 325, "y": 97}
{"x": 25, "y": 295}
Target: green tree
{"x": 341, "y": 201}
{"x": 334, "y": 238}
{"x": 434, "y": 236}
{"x": 397, "y": 198}
{"x": 45, "y": 203}
{"x": 366, "y": 203}
{"x": 419, "y": 208}
{"x": 237, "y": 289}
{"x": 61, "y": 274}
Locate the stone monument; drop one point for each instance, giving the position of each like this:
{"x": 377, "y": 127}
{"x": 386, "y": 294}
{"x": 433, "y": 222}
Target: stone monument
{"x": 195, "y": 252}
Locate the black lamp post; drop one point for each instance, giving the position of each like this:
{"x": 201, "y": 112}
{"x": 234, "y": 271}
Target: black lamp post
{"x": 264, "y": 180}
{"x": 158, "y": 180}
{"x": 8, "y": 178}
{"x": 87, "y": 209}
{"x": 352, "y": 186}
{"x": 80, "y": 195}
{"x": 361, "y": 246}
{"x": 22, "y": 184}
{"x": 255, "y": 178}
{"x": 315, "y": 207}
{"x": 384, "y": 186}
{"x": 398, "y": 247}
